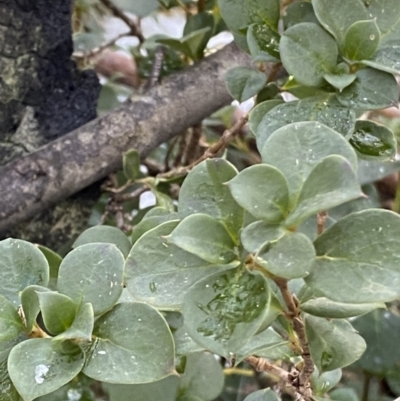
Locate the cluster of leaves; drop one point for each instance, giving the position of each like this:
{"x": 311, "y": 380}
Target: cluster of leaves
{"x": 133, "y": 311}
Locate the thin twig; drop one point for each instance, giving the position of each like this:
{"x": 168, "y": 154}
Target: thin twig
{"x": 99, "y": 49}
{"x": 321, "y": 219}
{"x": 117, "y": 12}
{"x": 212, "y": 151}
{"x": 302, "y": 382}
{"x": 262, "y": 365}
{"x": 156, "y": 68}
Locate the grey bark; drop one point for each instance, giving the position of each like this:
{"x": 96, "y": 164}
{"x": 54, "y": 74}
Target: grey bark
{"x": 82, "y": 157}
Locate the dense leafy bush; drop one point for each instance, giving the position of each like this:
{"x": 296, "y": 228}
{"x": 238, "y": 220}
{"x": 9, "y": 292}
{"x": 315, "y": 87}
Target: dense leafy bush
{"x": 249, "y": 266}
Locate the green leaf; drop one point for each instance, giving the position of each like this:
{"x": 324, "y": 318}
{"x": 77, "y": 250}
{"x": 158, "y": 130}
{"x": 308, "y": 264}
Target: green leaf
{"x": 371, "y": 171}
{"x": 58, "y": 311}
{"x": 322, "y": 109}
{"x": 297, "y": 148}
{"x": 184, "y": 344}
{"x": 290, "y": 256}
{"x": 223, "y": 311}
{"x": 373, "y": 141}
{"x": 131, "y": 164}
{"x": 155, "y": 269}
{"x": 195, "y": 23}
{"x": 133, "y": 340}
{"x": 10, "y": 322}
{"x": 21, "y": 264}
{"x": 238, "y": 14}
{"x": 141, "y": 8}
{"x": 361, "y": 40}
{"x": 30, "y": 304}
{"x": 380, "y": 330}
{"x": 258, "y": 112}
{"x": 344, "y": 394}
{"x": 256, "y": 234}
{"x": 165, "y": 390}
{"x": 386, "y": 13}
{"x": 7, "y": 390}
{"x": 54, "y": 261}
{"x": 263, "y": 395}
{"x": 386, "y": 59}
{"x": 331, "y": 183}
{"x": 205, "y": 237}
{"x": 93, "y": 273}
{"x": 262, "y": 344}
{"x": 39, "y": 366}
{"x": 324, "y": 307}
{"x": 308, "y": 52}
{"x": 336, "y": 16}
{"x": 263, "y": 43}
{"x": 204, "y": 191}
{"x": 153, "y": 218}
{"x": 188, "y": 45}
{"x": 333, "y": 344}
{"x": 372, "y": 89}
{"x": 244, "y": 82}
{"x": 362, "y": 249}
{"x": 340, "y": 81}
{"x": 205, "y": 387}
{"x": 81, "y": 328}
{"x": 262, "y": 190}
{"x": 300, "y": 11}
{"x": 106, "y": 234}
{"x": 322, "y": 383}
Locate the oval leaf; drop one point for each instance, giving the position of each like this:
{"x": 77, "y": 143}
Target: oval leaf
{"x": 244, "y": 82}
{"x": 372, "y": 90}
{"x": 39, "y": 366}
{"x": 297, "y": 148}
{"x": 261, "y": 190}
{"x": 361, "y": 40}
{"x": 380, "y": 331}
{"x": 263, "y": 395}
{"x": 135, "y": 342}
{"x": 256, "y": 234}
{"x": 324, "y": 307}
{"x": 106, "y": 234}
{"x": 373, "y": 141}
{"x": 321, "y": 109}
{"x": 10, "y": 322}
{"x": 362, "y": 249}
{"x": 21, "y": 264}
{"x": 263, "y": 43}
{"x": 204, "y": 237}
{"x": 336, "y": 16}
{"x": 331, "y": 183}
{"x": 333, "y": 344}
{"x": 93, "y": 273}
{"x": 204, "y": 191}
{"x": 223, "y": 311}
{"x": 155, "y": 269}
{"x": 308, "y": 52}
{"x": 291, "y": 256}
{"x": 58, "y": 311}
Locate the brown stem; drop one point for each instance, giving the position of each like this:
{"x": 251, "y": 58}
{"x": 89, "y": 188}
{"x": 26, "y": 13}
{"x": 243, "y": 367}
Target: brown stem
{"x": 302, "y": 382}
{"x": 212, "y": 151}
{"x": 262, "y": 365}
{"x": 117, "y": 12}
{"x": 321, "y": 219}
{"x": 367, "y": 382}
{"x": 201, "y": 5}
